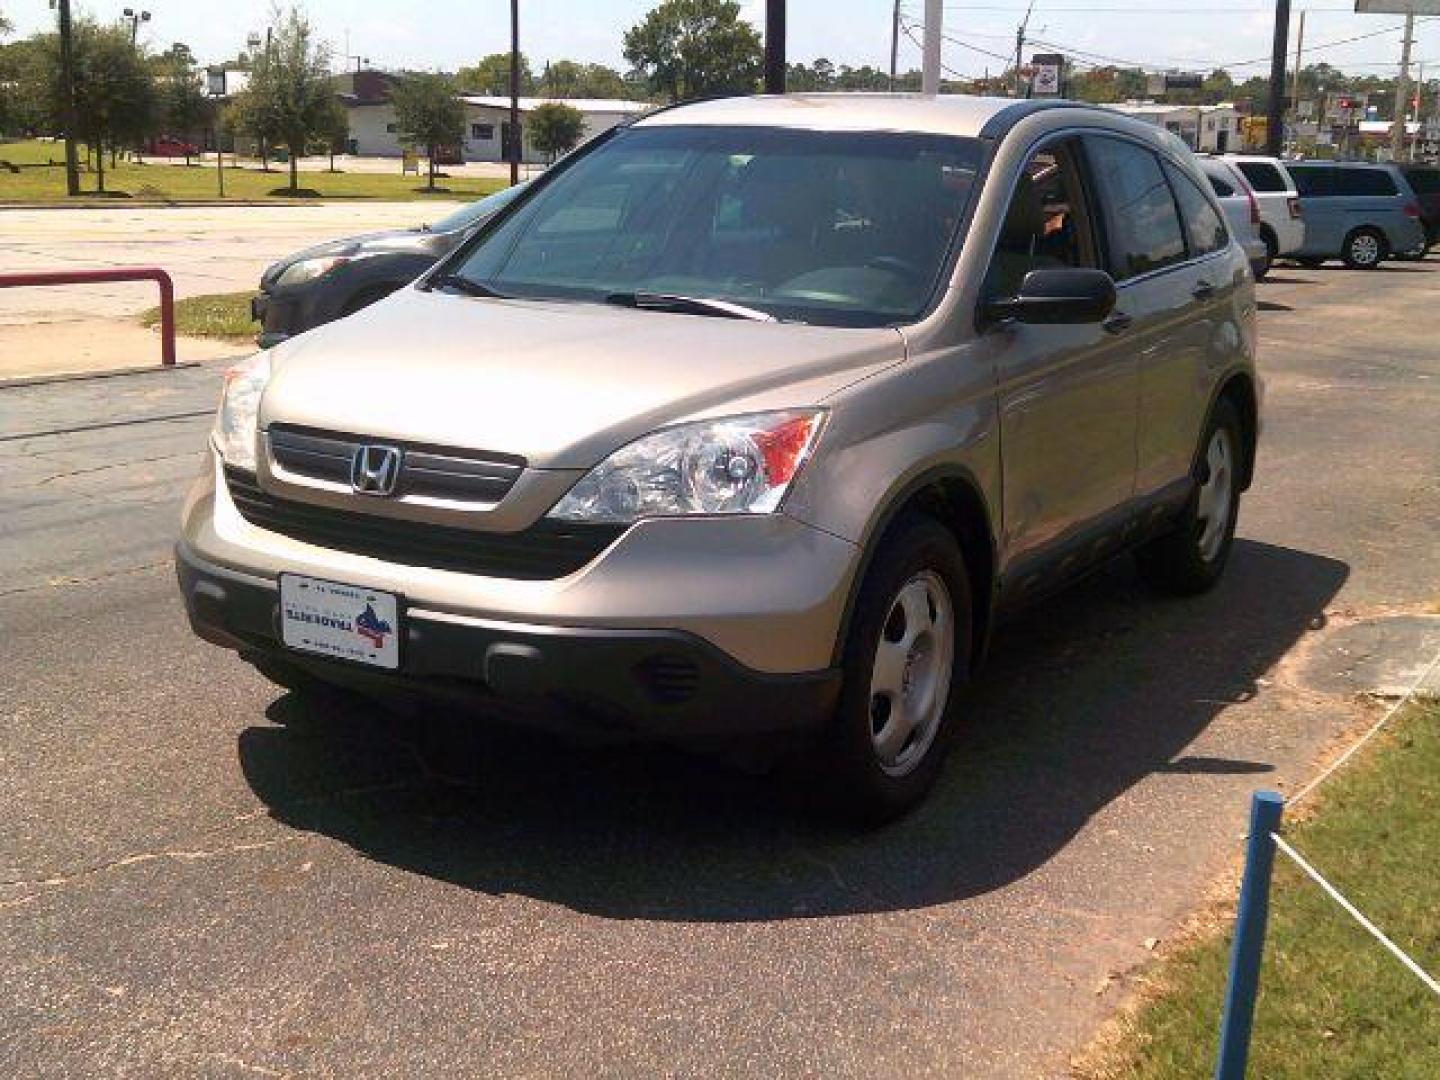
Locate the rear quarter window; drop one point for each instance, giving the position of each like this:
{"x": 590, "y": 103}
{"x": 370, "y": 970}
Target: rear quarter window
{"x": 1262, "y": 177}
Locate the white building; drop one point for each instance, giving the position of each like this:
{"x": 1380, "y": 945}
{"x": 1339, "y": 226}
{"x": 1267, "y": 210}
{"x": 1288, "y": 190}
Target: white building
{"x": 1211, "y": 129}
{"x": 374, "y": 131}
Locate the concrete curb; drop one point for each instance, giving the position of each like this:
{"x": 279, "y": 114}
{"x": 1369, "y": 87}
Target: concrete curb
{"x": 108, "y": 373}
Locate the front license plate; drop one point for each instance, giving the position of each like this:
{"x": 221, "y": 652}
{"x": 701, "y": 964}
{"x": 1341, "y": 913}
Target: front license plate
{"x": 347, "y": 622}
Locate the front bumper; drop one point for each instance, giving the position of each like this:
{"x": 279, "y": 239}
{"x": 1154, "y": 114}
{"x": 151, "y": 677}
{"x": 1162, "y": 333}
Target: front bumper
{"x": 275, "y": 318}
{"x": 667, "y": 684}
{"x": 767, "y": 590}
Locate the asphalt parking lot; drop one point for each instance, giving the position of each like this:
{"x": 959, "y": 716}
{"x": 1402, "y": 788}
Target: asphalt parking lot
{"x": 202, "y": 874}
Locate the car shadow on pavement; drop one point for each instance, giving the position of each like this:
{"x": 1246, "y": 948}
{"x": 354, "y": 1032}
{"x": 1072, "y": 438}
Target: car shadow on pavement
{"x": 1085, "y": 696}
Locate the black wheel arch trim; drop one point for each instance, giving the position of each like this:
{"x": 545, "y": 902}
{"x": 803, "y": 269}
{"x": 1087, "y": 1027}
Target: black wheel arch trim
{"x": 899, "y": 500}
{"x": 1222, "y": 385}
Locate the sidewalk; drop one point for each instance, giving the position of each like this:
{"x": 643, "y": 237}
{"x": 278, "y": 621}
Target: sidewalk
{"x": 57, "y": 348}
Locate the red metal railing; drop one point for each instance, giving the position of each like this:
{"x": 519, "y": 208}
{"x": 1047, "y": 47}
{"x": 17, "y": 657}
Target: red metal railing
{"x": 99, "y": 277}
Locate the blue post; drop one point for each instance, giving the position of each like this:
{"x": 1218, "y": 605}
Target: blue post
{"x": 1265, "y": 810}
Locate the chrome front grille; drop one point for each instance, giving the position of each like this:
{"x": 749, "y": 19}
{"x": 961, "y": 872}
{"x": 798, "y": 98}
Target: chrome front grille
{"x": 426, "y": 471}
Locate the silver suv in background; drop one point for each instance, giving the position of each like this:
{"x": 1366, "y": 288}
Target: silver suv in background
{"x": 750, "y": 418}
{"x": 1242, "y": 210}
{"x": 1282, "y": 219}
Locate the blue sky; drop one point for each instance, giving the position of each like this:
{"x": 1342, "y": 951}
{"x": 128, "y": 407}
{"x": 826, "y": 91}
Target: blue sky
{"x": 448, "y": 33}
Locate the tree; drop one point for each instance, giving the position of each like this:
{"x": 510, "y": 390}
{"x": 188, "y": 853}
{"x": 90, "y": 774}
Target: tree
{"x": 289, "y": 93}
{"x": 569, "y": 79}
{"x": 428, "y": 113}
{"x": 183, "y": 107}
{"x": 114, "y": 88}
{"x": 556, "y": 128}
{"x": 492, "y": 75}
{"x": 696, "y": 48}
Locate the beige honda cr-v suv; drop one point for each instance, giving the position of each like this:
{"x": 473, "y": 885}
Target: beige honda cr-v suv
{"x": 749, "y": 419}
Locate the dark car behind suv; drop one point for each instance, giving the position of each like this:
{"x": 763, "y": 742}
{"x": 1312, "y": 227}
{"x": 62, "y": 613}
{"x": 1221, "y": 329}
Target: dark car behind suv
{"x": 338, "y": 278}
{"x": 1424, "y": 180}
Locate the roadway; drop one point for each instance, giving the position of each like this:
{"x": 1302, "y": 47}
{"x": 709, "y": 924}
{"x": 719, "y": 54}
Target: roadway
{"x": 200, "y": 873}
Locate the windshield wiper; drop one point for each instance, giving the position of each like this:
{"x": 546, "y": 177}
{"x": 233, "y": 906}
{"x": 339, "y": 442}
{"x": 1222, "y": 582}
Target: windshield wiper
{"x": 468, "y": 286}
{"x": 689, "y": 305}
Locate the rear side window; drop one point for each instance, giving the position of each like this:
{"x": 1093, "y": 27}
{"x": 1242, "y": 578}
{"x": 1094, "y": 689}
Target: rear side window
{"x": 1364, "y": 182}
{"x": 1204, "y": 230}
{"x": 1314, "y": 181}
{"x": 1142, "y": 222}
{"x": 1262, "y": 176}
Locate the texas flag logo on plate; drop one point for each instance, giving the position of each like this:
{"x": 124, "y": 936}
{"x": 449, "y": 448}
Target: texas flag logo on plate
{"x": 371, "y": 627}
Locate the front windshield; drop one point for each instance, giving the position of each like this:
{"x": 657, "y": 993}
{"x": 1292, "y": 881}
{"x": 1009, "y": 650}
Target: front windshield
{"x": 835, "y": 228}
{"x": 479, "y": 209}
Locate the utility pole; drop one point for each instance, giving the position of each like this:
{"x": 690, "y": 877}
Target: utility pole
{"x": 930, "y": 65}
{"x": 894, "y": 42}
{"x": 1295, "y": 81}
{"x": 67, "y": 91}
{"x": 1020, "y": 50}
{"x": 1419, "y": 111}
{"x": 774, "y": 46}
{"x": 514, "y": 92}
{"x": 1275, "y": 116}
{"x": 1402, "y": 91}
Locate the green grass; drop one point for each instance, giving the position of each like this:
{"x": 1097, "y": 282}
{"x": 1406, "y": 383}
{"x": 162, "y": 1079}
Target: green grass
{"x": 1333, "y": 1002}
{"x": 40, "y": 183}
{"x": 217, "y": 315}
{"x": 32, "y": 152}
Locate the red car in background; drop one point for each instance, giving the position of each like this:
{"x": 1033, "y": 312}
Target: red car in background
{"x": 170, "y": 146}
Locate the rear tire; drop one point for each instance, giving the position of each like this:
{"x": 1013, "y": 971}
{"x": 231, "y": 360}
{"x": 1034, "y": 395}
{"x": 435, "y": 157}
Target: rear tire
{"x": 1272, "y": 250}
{"x": 1191, "y": 557}
{"x": 906, "y": 658}
{"x": 1364, "y": 249}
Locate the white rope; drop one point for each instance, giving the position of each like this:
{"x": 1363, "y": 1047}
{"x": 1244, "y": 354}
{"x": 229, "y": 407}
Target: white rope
{"x": 1334, "y": 894}
{"x": 1424, "y": 675}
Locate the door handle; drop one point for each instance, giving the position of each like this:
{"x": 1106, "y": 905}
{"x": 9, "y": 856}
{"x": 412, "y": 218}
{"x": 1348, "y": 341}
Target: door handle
{"x": 1118, "y": 323}
{"x": 1203, "y": 291}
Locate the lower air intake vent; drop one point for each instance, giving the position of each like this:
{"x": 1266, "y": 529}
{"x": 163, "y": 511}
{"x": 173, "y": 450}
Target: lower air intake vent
{"x": 669, "y": 679}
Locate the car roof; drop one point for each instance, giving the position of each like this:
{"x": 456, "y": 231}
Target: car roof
{"x": 943, "y": 114}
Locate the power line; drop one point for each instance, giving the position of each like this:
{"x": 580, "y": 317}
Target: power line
{"x": 909, "y": 26}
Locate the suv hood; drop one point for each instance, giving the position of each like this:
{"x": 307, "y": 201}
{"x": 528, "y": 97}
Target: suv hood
{"x": 390, "y": 240}
{"x": 561, "y": 384}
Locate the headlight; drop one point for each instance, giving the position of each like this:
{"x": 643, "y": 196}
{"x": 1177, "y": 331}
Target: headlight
{"x": 738, "y": 465}
{"x": 238, "y": 419}
{"x": 308, "y": 269}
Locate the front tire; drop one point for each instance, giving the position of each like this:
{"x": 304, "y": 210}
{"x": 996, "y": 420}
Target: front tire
{"x": 1191, "y": 557}
{"x": 907, "y": 656}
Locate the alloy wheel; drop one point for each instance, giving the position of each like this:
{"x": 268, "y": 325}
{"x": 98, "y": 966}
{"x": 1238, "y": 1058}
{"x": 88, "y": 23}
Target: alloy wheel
{"x": 1216, "y": 500}
{"x": 910, "y": 679}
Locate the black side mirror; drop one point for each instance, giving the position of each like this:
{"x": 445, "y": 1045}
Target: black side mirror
{"x": 1058, "y": 295}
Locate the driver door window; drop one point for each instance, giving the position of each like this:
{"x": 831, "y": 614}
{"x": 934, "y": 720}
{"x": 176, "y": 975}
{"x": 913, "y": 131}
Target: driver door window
{"x": 1047, "y": 223}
